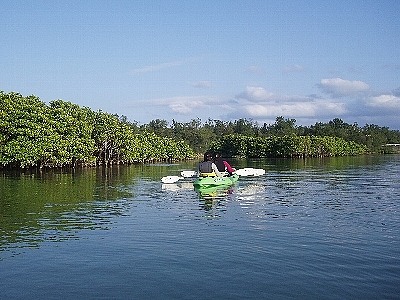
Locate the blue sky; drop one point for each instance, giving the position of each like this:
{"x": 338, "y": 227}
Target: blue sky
{"x": 308, "y": 60}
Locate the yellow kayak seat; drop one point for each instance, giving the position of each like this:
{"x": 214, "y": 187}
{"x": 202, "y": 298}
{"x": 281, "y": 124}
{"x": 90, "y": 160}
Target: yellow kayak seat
{"x": 212, "y": 174}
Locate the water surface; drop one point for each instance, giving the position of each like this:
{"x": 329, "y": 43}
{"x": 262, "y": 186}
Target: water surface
{"x": 312, "y": 229}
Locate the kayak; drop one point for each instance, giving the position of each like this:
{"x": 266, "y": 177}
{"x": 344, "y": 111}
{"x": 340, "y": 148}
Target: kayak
{"x": 211, "y": 179}
{"x": 215, "y": 181}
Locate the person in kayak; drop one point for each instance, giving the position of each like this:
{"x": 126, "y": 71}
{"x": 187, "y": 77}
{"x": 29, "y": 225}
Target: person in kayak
{"x": 207, "y": 168}
{"x": 223, "y": 165}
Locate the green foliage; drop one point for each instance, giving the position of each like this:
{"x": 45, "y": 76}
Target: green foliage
{"x": 286, "y": 146}
{"x": 33, "y": 134}
{"x": 73, "y": 126}
{"x": 26, "y": 134}
{"x": 201, "y": 136}
{"x": 372, "y": 136}
{"x": 65, "y": 134}
{"x": 281, "y": 127}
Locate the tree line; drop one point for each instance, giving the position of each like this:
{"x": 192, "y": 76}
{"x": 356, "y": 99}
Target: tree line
{"x": 33, "y": 134}
{"x": 202, "y": 136}
{"x": 36, "y": 134}
{"x": 287, "y": 146}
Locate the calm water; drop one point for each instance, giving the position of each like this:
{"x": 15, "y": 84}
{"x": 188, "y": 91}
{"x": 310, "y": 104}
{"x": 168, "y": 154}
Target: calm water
{"x": 312, "y": 229}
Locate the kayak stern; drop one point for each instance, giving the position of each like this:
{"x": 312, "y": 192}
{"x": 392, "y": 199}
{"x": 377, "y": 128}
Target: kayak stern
{"x": 215, "y": 181}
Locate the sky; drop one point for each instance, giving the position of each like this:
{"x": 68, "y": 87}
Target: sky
{"x": 311, "y": 61}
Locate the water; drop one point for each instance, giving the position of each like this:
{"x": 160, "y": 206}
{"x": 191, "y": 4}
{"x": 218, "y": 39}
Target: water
{"x": 312, "y": 229}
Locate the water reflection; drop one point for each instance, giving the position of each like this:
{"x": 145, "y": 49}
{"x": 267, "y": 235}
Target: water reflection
{"x": 321, "y": 229}
{"x": 174, "y": 187}
{"x": 211, "y": 197}
{"x": 352, "y": 193}
{"x": 36, "y": 206}
{"x": 56, "y": 205}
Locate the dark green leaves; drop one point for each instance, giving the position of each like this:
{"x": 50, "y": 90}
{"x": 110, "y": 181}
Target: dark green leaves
{"x": 286, "y": 146}
{"x": 60, "y": 134}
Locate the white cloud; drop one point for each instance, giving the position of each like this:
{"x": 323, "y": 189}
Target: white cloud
{"x": 185, "y": 104}
{"x": 339, "y": 87}
{"x": 255, "y": 94}
{"x": 296, "y": 109}
{"x": 258, "y": 103}
{"x": 384, "y": 101}
{"x": 181, "y": 108}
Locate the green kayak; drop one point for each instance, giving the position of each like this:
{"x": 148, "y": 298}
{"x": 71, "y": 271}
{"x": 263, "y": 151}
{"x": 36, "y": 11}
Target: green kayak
{"x": 215, "y": 181}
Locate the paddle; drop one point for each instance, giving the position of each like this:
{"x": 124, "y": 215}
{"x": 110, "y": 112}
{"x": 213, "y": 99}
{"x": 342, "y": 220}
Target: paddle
{"x": 173, "y": 179}
{"x": 250, "y": 172}
{"x": 258, "y": 172}
{"x": 186, "y": 174}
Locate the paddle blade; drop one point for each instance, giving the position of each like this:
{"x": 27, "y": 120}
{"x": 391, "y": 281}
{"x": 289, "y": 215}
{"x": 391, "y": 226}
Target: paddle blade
{"x": 250, "y": 172}
{"x": 245, "y": 172}
{"x": 188, "y": 173}
{"x": 259, "y": 172}
{"x": 170, "y": 179}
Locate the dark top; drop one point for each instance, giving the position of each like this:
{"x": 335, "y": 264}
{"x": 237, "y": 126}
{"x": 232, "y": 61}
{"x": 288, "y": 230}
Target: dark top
{"x": 205, "y": 167}
{"x": 219, "y": 162}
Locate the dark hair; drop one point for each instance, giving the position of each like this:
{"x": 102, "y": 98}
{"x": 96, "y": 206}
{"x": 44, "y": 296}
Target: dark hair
{"x": 208, "y": 156}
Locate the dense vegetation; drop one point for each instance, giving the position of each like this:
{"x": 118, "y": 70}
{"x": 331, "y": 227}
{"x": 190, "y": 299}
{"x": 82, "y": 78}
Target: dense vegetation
{"x": 287, "y": 146}
{"x": 65, "y": 134}
{"x": 61, "y": 133}
{"x": 282, "y": 139}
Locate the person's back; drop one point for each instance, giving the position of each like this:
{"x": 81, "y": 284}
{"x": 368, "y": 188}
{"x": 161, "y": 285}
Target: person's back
{"x": 207, "y": 167}
{"x": 223, "y": 165}
{"x": 219, "y": 162}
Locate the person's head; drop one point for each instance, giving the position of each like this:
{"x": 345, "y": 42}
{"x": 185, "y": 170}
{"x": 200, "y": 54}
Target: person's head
{"x": 208, "y": 156}
{"x": 217, "y": 155}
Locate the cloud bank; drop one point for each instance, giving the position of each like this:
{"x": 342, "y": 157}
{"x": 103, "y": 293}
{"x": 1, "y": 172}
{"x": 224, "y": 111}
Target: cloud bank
{"x": 338, "y": 87}
{"x": 352, "y": 101}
